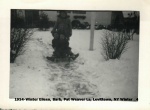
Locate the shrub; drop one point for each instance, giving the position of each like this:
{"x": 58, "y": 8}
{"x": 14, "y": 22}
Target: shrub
{"x": 113, "y": 44}
{"x": 131, "y": 24}
{"x": 44, "y": 21}
{"x": 19, "y": 37}
{"x": 75, "y": 24}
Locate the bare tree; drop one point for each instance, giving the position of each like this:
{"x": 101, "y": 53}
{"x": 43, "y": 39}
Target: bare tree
{"x": 113, "y": 44}
{"x": 19, "y": 38}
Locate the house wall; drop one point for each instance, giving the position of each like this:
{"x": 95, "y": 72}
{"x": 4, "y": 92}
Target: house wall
{"x": 103, "y": 18}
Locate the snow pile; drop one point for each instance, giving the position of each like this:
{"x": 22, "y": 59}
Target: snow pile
{"x": 89, "y": 76}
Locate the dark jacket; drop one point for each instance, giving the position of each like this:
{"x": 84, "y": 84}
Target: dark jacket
{"x": 63, "y": 26}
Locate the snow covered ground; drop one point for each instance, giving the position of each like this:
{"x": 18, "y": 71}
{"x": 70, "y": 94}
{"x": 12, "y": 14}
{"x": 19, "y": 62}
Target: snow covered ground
{"x": 89, "y": 76}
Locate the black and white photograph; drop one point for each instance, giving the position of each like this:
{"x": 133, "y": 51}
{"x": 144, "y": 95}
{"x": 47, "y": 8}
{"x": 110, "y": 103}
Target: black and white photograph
{"x": 74, "y": 54}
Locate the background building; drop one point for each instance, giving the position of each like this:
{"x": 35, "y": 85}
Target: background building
{"x": 102, "y": 17}
{"x": 24, "y": 18}
{"x": 31, "y": 18}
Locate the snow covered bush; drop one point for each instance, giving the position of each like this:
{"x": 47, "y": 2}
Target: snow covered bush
{"x": 19, "y": 37}
{"x": 44, "y": 22}
{"x": 113, "y": 44}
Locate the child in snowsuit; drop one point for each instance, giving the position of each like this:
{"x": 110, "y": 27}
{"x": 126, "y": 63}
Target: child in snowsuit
{"x": 61, "y": 46}
{"x": 64, "y": 29}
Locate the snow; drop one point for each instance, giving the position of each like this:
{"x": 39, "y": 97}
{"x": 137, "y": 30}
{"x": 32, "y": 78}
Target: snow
{"x": 88, "y": 76}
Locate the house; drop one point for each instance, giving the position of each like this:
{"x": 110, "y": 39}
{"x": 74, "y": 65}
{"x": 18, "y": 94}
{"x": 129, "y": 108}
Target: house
{"x": 24, "y": 18}
{"x": 102, "y": 17}
{"x": 31, "y": 17}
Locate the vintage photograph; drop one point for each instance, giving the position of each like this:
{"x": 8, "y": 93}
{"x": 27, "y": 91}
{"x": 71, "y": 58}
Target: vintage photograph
{"x": 74, "y": 54}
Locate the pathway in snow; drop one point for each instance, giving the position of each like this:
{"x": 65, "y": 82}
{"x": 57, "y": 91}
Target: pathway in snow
{"x": 35, "y": 76}
{"x": 32, "y": 75}
{"x": 69, "y": 81}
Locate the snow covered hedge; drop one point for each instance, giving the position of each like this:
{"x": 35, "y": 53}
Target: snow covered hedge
{"x": 113, "y": 44}
{"x": 19, "y": 37}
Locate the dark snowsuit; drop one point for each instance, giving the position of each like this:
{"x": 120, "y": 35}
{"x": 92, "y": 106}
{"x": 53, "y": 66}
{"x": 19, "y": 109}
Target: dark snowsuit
{"x": 61, "y": 47}
{"x": 55, "y": 43}
{"x": 62, "y": 26}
